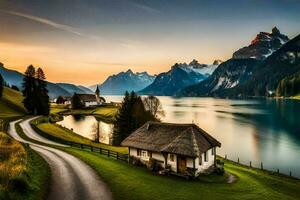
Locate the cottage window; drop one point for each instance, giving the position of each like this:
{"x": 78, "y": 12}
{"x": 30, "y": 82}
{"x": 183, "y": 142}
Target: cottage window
{"x": 144, "y": 153}
{"x": 138, "y": 152}
{"x": 172, "y": 157}
{"x": 205, "y": 157}
{"x": 213, "y": 151}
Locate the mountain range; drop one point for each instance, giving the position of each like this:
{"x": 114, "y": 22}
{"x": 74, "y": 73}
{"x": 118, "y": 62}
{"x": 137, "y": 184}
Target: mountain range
{"x": 269, "y": 64}
{"x": 178, "y": 77}
{"x": 255, "y": 70}
{"x": 13, "y": 77}
{"x": 124, "y": 81}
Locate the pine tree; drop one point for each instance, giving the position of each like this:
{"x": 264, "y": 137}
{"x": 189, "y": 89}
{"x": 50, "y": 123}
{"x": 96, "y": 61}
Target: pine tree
{"x": 1, "y": 85}
{"x": 29, "y": 89}
{"x": 132, "y": 114}
{"x": 43, "y": 106}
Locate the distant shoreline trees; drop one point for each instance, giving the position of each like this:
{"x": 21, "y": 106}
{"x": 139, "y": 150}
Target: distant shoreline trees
{"x": 133, "y": 114}
{"x": 36, "y": 99}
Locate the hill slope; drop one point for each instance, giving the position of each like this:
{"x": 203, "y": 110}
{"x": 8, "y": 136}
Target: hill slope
{"x": 11, "y": 103}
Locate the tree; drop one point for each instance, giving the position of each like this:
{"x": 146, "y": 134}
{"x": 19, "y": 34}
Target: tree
{"x": 29, "y": 90}
{"x": 36, "y": 99}
{"x": 60, "y": 100}
{"x": 1, "y": 85}
{"x": 153, "y": 105}
{"x": 75, "y": 102}
{"x": 43, "y": 105}
{"x": 15, "y": 88}
{"x": 131, "y": 115}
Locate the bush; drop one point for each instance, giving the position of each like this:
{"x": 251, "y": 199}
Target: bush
{"x": 154, "y": 165}
{"x": 136, "y": 161}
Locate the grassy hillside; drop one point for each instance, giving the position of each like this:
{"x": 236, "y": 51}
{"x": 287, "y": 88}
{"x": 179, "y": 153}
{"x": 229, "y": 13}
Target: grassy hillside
{"x": 11, "y": 103}
{"x": 11, "y": 107}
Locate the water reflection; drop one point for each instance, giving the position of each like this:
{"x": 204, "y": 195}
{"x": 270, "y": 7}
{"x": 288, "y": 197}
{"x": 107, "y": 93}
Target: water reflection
{"x": 89, "y": 127}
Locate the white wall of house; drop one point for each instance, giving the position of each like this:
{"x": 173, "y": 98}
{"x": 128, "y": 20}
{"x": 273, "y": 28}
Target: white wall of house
{"x": 205, "y": 164}
{"x": 189, "y": 161}
{"x": 90, "y": 103}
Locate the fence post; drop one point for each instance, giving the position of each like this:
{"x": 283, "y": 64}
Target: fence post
{"x": 238, "y": 160}
{"x": 290, "y": 173}
{"x": 100, "y": 150}
{"x": 250, "y": 164}
{"x": 117, "y": 155}
{"x": 225, "y": 156}
{"x": 81, "y": 146}
{"x": 92, "y": 148}
{"x": 108, "y": 152}
{"x": 262, "y": 165}
{"x": 278, "y": 171}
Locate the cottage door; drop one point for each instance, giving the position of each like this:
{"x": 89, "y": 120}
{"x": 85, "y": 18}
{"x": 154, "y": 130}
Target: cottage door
{"x": 181, "y": 164}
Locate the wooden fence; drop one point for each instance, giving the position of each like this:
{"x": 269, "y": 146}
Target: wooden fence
{"x": 261, "y": 167}
{"x": 100, "y": 150}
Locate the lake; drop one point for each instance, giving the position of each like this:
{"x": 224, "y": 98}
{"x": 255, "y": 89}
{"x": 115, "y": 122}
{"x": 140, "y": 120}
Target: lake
{"x": 265, "y": 130}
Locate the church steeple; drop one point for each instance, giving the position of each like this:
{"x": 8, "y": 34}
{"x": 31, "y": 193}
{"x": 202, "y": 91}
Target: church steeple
{"x": 97, "y": 92}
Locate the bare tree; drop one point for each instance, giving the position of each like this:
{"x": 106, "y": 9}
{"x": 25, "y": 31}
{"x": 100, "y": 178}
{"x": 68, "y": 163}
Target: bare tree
{"x": 154, "y": 106}
{"x": 96, "y": 132}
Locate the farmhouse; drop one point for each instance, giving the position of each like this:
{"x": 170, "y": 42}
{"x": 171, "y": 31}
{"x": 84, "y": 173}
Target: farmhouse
{"x": 178, "y": 147}
{"x": 88, "y": 100}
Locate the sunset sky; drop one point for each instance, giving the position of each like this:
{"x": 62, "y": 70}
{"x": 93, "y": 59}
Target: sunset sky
{"x": 84, "y": 41}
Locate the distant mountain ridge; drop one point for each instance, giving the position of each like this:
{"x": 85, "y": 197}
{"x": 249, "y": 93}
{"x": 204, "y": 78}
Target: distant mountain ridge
{"x": 178, "y": 77}
{"x": 119, "y": 83}
{"x": 262, "y": 46}
{"x": 13, "y": 77}
{"x": 253, "y": 77}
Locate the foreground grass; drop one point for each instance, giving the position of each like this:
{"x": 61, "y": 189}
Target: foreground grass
{"x": 58, "y": 133}
{"x": 131, "y": 182}
{"x": 23, "y": 173}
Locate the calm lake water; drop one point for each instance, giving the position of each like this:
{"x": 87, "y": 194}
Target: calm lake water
{"x": 265, "y": 131}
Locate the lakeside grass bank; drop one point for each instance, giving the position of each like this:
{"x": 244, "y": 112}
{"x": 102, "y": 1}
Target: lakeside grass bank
{"x": 131, "y": 182}
{"x": 57, "y": 133}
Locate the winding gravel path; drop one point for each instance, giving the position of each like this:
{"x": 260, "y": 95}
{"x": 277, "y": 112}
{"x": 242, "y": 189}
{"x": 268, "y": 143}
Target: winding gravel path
{"x": 71, "y": 179}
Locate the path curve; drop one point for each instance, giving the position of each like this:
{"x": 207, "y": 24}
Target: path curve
{"x": 71, "y": 178}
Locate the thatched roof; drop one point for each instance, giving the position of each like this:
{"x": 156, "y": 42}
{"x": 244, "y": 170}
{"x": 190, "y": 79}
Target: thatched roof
{"x": 182, "y": 139}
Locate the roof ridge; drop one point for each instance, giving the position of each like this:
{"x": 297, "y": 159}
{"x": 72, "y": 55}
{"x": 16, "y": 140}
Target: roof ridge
{"x": 178, "y": 136}
{"x": 170, "y": 123}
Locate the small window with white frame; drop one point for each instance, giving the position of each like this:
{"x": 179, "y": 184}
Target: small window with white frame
{"x": 144, "y": 154}
{"x": 206, "y": 157}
